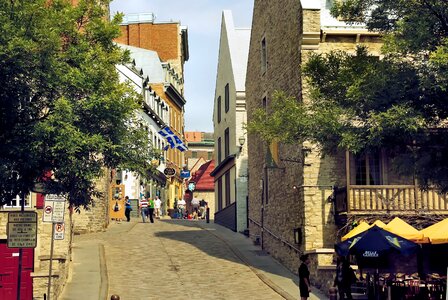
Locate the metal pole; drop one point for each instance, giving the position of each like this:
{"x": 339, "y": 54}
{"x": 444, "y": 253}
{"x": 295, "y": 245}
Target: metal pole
{"x": 19, "y": 279}
{"x": 51, "y": 261}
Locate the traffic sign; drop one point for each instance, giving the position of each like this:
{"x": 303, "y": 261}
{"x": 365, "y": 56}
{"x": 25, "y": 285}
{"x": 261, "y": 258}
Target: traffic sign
{"x": 54, "y": 208}
{"x": 22, "y": 229}
{"x": 59, "y": 230}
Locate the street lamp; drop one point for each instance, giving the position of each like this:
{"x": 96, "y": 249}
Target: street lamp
{"x": 241, "y": 140}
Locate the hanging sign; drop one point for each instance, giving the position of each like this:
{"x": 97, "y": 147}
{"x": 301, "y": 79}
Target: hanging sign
{"x": 169, "y": 172}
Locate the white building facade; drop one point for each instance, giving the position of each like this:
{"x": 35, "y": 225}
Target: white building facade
{"x": 229, "y": 115}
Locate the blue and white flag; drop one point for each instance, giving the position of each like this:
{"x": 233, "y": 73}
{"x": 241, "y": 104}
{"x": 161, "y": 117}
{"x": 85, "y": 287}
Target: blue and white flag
{"x": 173, "y": 140}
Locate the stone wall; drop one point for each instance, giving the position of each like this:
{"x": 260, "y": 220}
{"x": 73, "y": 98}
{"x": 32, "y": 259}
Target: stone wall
{"x": 280, "y": 210}
{"x": 96, "y": 218}
{"x": 293, "y": 193}
{"x": 61, "y": 254}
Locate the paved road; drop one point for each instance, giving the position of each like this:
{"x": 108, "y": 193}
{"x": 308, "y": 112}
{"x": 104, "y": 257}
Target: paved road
{"x": 175, "y": 259}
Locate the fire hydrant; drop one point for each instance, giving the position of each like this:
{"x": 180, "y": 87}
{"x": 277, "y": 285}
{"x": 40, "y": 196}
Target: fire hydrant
{"x": 333, "y": 293}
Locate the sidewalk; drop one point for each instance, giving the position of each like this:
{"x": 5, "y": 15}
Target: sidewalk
{"x": 271, "y": 272}
{"x": 89, "y": 279}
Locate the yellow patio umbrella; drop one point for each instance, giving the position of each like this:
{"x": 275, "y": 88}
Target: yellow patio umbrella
{"x": 437, "y": 233}
{"x": 403, "y": 229}
{"x": 363, "y": 226}
{"x": 378, "y": 223}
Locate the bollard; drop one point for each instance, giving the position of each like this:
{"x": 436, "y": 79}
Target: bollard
{"x": 333, "y": 293}
{"x": 207, "y": 215}
{"x": 114, "y": 297}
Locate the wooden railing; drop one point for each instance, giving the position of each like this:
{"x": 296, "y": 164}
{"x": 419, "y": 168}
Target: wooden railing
{"x": 394, "y": 198}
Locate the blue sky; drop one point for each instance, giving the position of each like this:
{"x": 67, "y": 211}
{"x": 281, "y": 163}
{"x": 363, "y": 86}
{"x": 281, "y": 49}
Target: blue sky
{"x": 203, "y": 18}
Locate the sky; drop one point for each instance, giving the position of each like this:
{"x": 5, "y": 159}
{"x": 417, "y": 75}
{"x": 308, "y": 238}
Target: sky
{"x": 203, "y": 19}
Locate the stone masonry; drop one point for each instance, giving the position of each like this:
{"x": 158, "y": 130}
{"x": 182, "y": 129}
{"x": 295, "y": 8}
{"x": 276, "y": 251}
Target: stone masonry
{"x": 293, "y": 193}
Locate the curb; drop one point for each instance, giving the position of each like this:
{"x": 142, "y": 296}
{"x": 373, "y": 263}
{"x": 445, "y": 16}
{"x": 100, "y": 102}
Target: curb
{"x": 260, "y": 275}
{"x": 104, "y": 285}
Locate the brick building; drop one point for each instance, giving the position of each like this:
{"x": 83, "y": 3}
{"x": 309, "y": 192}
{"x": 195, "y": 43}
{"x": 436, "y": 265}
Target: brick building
{"x": 170, "y": 41}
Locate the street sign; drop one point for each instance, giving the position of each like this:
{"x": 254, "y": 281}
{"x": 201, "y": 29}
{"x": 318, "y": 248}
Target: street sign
{"x": 169, "y": 172}
{"x": 59, "y": 230}
{"x": 54, "y": 209}
{"x": 22, "y": 229}
{"x": 185, "y": 174}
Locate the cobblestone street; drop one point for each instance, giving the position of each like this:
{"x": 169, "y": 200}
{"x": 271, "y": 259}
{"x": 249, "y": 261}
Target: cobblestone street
{"x": 174, "y": 259}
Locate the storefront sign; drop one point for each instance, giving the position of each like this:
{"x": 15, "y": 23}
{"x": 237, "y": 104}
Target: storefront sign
{"x": 169, "y": 172}
{"x": 185, "y": 174}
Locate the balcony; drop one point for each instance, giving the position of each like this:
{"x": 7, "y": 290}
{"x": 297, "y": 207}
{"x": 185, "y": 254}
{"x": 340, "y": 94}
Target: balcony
{"x": 389, "y": 199}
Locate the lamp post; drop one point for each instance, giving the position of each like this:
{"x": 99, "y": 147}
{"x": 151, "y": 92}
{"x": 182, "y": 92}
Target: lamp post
{"x": 241, "y": 140}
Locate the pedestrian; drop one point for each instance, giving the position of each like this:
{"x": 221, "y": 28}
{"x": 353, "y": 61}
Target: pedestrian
{"x": 157, "y": 207}
{"x": 144, "y": 208}
{"x": 203, "y": 208}
{"x": 128, "y": 208}
{"x": 304, "y": 277}
{"x": 344, "y": 278}
{"x": 151, "y": 209}
{"x": 181, "y": 206}
{"x": 195, "y": 205}
{"x": 114, "y": 297}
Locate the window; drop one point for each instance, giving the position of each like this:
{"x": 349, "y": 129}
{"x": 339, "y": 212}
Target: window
{"x": 16, "y": 202}
{"x": 194, "y": 154}
{"x": 264, "y": 61}
{"x": 226, "y": 142}
{"x": 220, "y": 194}
{"x": 227, "y": 188}
{"x": 219, "y": 109}
{"x": 219, "y": 150}
{"x": 368, "y": 169}
{"x": 209, "y": 155}
{"x": 226, "y": 97}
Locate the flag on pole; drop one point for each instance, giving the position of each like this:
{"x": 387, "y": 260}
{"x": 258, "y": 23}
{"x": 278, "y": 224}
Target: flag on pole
{"x": 173, "y": 140}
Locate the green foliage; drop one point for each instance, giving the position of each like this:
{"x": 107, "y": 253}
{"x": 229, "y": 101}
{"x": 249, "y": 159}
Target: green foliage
{"x": 62, "y": 107}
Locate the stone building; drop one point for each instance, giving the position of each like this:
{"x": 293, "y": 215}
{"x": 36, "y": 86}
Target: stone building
{"x": 35, "y": 261}
{"x": 229, "y": 117}
{"x": 298, "y": 200}
{"x": 170, "y": 41}
{"x": 290, "y": 185}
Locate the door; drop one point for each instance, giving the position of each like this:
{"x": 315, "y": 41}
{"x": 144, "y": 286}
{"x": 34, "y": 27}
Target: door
{"x": 9, "y": 266}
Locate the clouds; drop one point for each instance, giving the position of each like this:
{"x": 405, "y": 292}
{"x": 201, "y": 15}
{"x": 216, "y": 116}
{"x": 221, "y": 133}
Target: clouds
{"x": 203, "y": 19}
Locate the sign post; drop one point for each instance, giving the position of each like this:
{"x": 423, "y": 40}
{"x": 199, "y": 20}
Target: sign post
{"x": 54, "y": 209}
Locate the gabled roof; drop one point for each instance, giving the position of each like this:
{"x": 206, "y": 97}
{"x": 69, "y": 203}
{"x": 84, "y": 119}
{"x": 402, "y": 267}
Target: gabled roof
{"x": 238, "y": 41}
{"x": 148, "y": 62}
{"x": 204, "y": 181}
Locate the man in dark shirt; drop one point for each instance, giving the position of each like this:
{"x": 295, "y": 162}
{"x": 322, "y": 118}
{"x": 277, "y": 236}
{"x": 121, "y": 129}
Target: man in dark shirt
{"x": 304, "y": 277}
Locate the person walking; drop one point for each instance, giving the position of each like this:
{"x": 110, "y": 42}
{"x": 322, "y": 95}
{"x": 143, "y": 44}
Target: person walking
{"x": 144, "y": 208}
{"x": 195, "y": 206}
{"x": 151, "y": 210}
{"x": 181, "y": 206}
{"x": 203, "y": 208}
{"x": 304, "y": 277}
{"x": 128, "y": 208}
{"x": 157, "y": 207}
{"x": 345, "y": 276}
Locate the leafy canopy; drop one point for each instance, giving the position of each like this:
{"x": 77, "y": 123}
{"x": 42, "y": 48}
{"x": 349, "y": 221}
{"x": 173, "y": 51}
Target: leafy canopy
{"x": 62, "y": 107}
{"x": 361, "y": 103}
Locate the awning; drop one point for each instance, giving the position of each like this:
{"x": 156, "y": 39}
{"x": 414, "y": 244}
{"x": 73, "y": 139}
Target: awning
{"x": 437, "y": 233}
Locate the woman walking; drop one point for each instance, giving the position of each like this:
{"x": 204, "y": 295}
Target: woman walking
{"x": 304, "y": 277}
{"x": 128, "y": 208}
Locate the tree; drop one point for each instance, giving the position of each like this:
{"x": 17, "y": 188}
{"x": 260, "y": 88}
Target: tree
{"x": 62, "y": 107}
{"x": 361, "y": 103}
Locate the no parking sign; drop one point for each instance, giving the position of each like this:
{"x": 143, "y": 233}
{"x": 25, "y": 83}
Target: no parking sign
{"x": 59, "y": 230}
